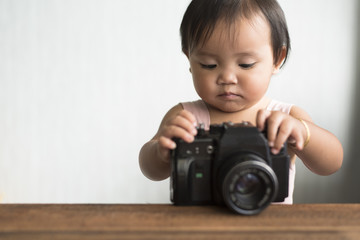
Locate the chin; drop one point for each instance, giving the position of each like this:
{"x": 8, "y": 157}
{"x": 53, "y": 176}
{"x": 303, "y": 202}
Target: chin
{"x": 230, "y": 108}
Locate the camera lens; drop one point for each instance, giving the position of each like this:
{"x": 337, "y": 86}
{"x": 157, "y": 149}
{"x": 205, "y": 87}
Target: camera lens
{"x": 248, "y": 190}
{"x": 249, "y": 186}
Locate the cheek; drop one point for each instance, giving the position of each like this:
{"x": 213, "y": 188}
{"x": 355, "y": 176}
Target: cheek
{"x": 256, "y": 85}
{"x": 199, "y": 78}
{"x": 200, "y": 85}
{"x": 203, "y": 85}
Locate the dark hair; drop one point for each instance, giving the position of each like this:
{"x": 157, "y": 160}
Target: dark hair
{"x": 201, "y": 17}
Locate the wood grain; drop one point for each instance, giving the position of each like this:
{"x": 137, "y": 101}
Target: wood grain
{"x": 89, "y": 221}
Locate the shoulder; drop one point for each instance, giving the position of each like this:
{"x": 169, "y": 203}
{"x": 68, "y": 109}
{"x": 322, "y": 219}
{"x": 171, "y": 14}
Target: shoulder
{"x": 298, "y": 112}
{"x": 194, "y": 105}
{"x": 275, "y": 105}
{"x": 187, "y": 106}
{"x": 289, "y": 108}
{"x": 174, "y": 111}
{"x": 199, "y": 110}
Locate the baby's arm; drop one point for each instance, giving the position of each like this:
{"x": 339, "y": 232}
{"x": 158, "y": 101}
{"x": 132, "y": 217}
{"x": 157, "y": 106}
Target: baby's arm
{"x": 323, "y": 154}
{"x": 155, "y": 155}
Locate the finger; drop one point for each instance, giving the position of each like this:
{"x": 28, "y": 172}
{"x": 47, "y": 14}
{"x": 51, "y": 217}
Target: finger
{"x": 164, "y": 147}
{"x": 189, "y": 116}
{"x": 261, "y": 117}
{"x": 299, "y": 141}
{"x": 174, "y": 131}
{"x": 283, "y": 134}
{"x": 166, "y": 143}
{"x": 184, "y": 123}
{"x": 273, "y": 124}
{"x": 291, "y": 142}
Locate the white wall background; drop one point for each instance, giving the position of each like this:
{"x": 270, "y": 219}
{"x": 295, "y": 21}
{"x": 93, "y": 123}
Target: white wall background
{"x": 84, "y": 83}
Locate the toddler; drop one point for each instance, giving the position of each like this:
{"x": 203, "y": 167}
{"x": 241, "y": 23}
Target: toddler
{"x": 234, "y": 47}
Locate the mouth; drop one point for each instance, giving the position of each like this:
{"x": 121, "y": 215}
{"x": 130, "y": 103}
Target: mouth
{"x": 229, "y": 95}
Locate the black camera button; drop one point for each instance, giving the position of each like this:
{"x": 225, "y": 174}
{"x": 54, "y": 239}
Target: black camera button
{"x": 210, "y": 149}
{"x": 197, "y": 150}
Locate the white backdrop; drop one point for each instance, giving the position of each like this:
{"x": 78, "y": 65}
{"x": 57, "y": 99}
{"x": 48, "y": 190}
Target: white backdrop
{"x": 84, "y": 83}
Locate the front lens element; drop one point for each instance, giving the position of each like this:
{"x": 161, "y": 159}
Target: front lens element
{"x": 248, "y": 184}
{"x": 249, "y": 187}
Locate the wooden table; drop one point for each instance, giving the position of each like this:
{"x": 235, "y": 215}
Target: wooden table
{"x": 88, "y": 221}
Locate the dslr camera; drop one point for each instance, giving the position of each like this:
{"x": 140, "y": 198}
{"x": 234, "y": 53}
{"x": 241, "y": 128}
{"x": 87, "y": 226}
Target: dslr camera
{"x": 229, "y": 164}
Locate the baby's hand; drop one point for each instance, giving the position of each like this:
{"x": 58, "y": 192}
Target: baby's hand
{"x": 182, "y": 125}
{"x": 281, "y": 127}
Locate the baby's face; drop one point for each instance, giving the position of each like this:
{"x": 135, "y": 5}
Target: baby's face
{"x": 232, "y": 70}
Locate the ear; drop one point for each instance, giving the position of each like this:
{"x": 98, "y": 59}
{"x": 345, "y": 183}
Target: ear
{"x": 280, "y": 61}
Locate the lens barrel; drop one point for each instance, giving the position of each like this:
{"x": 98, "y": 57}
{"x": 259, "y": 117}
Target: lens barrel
{"x": 249, "y": 185}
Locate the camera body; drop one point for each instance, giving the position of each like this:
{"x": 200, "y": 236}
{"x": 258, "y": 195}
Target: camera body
{"x": 229, "y": 164}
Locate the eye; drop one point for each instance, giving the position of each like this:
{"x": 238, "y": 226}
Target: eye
{"x": 247, "y": 66}
{"x": 208, "y": 66}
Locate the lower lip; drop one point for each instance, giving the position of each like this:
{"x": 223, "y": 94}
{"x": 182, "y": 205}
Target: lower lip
{"x": 229, "y": 96}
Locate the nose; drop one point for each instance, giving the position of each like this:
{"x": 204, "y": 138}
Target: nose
{"x": 227, "y": 76}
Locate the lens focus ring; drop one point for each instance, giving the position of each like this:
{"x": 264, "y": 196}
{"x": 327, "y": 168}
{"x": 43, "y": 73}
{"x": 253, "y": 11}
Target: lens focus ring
{"x": 249, "y": 187}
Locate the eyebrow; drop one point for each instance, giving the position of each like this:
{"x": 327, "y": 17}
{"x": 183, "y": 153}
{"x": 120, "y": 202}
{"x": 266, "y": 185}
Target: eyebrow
{"x": 241, "y": 54}
{"x": 205, "y": 54}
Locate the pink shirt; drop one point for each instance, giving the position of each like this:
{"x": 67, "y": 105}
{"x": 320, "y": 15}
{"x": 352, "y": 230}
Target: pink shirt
{"x": 200, "y": 111}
